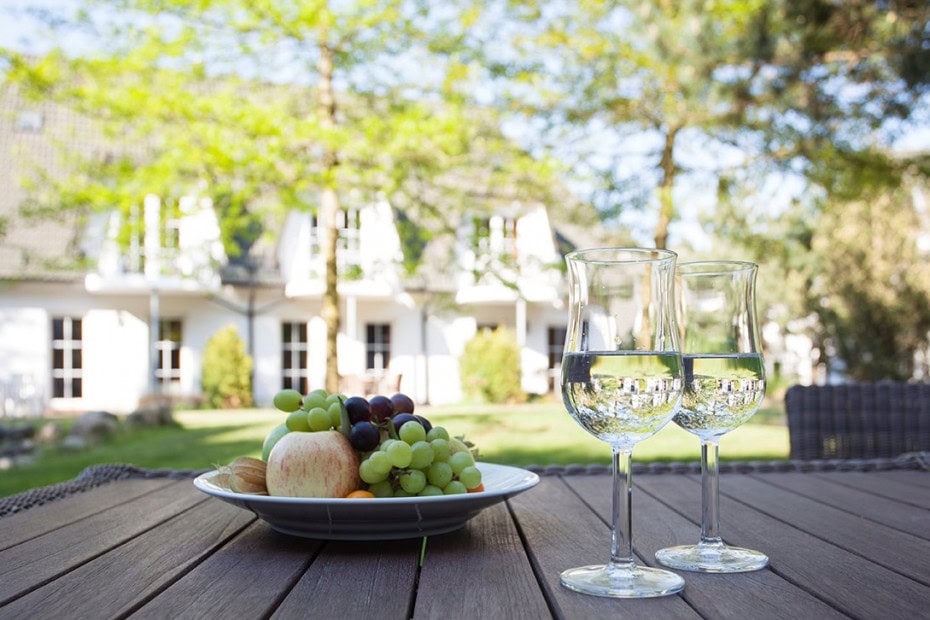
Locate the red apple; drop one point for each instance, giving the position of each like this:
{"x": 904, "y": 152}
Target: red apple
{"x": 321, "y": 464}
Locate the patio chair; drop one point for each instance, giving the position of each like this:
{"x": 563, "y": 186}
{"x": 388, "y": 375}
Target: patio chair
{"x": 858, "y": 420}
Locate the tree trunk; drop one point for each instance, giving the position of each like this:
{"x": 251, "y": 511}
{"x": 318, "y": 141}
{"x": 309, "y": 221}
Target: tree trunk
{"x": 329, "y": 211}
{"x": 666, "y": 202}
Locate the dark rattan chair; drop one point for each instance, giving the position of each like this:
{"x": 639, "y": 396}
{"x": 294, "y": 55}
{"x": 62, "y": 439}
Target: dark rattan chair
{"x": 858, "y": 420}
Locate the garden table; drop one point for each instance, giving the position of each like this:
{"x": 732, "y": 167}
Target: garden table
{"x": 845, "y": 539}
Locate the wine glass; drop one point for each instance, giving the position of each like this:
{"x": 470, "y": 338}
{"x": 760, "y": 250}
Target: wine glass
{"x": 724, "y": 386}
{"x": 622, "y": 382}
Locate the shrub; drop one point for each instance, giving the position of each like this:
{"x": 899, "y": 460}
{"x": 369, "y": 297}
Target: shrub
{"x": 490, "y": 368}
{"x": 227, "y": 371}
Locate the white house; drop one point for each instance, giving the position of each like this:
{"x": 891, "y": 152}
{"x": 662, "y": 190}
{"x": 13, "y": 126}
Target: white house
{"x": 135, "y": 319}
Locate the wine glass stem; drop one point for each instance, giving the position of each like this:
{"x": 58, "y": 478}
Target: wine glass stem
{"x": 621, "y": 539}
{"x": 710, "y": 493}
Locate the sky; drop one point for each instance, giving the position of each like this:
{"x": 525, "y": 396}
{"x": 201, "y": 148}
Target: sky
{"x": 21, "y": 31}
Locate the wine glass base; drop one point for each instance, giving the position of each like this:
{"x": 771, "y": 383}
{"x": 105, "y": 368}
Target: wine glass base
{"x": 718, "y": 558}
{"x": 639, "y": 582}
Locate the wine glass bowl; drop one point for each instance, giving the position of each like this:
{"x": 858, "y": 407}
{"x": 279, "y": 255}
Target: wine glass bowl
{"x": 724, "y": 379}
{"x": 621, "y": 382}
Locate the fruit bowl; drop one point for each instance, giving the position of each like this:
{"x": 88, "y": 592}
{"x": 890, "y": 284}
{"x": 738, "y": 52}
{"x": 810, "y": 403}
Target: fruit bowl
{"x": 380, "y": 518}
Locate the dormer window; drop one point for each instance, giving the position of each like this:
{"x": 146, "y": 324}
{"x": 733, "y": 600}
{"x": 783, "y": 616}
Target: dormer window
{"x": 29, "y": 121}
{"x": 495, "y": 236}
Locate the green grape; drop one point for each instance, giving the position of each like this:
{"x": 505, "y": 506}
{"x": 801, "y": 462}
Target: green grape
{"x": 272, "y": 438}
{"x": 297, "y": 421}
{"x": 368, "y": 474}
{"x": 334, "y": 398}
{"x": 400, "y": 492}
{"x": 319, "y": 419}
{"x": 412, "y": 432}
{"x": 316, "y": 398}
{"x": 413, "y": 481}
{"x": 422, "y": 455}
{"x": 441, "y": 449}
{"x": 400, "y": 453}
{"x": 380, "y": 462}
{"x": 454, "y": 488}
{"x": 386, "y": 444}
{"x": 470, "y": 477}
{"x": 335, "y": 414}
{"x": 288, "y": 400}
{"x": 437, "y": 432}
{"x": 461, "y": 460}
{"x": 430, "y": 489}
{"x": 439, "y": 474}
{"x": 382, "y": 489}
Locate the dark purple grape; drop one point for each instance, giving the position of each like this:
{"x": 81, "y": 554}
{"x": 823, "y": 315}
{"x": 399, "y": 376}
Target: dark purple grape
{"x": 426, "y": 423}
{"x": 364, "y": 436}
{"x": 400, "y": 419}
{"x": 381, "y": 408}
{"x": 402, "y": 403}
{"x": 358, "y": 409}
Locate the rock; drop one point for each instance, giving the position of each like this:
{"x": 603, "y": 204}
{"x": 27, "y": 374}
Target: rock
{"x": 151, "y": 415}
{"x": 95, "y": 426}
{"x": 50, "y": 432}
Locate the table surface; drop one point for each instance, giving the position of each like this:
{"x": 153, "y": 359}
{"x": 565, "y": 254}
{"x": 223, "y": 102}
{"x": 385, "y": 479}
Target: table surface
{"x": 841, "y": 544}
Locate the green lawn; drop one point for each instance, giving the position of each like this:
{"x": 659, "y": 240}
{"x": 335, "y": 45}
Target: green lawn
{"x": 533, "y": 434}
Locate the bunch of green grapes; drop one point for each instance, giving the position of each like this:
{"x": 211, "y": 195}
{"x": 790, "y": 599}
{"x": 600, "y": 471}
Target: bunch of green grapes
{"x": 420, "y": 462}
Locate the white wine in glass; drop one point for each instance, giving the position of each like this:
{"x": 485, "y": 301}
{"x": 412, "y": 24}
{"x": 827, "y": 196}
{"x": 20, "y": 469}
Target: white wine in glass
{"x": 622, "y": 381}
{"x": 724, "y": 387}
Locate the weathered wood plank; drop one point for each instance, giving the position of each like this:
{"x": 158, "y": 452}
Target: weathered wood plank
{"x": 561, "y": 533}
{"x": 117, "y": 582}
{"x": 43, "y": 558}
{"x": 31, "y": 523}
{"x": 901, "y": 516}
{"x": 758, "y": 595}
{"x": 849, "y": 582}
{"x": 244, "y": 578}
{"x": 356, "y": 580}
{"x": 896, "y": 550}
{"x": 480, "y": 571}
{"x": 908, "y": 489}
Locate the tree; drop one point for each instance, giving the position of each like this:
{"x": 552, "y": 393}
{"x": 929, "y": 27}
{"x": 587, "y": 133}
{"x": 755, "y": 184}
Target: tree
{"x": 269, "y": 106}
{"x": 655, "y": 101}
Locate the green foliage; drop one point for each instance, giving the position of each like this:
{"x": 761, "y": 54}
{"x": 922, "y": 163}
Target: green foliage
{"x": 490, "y": 367}
{"x": 227, "y": 371}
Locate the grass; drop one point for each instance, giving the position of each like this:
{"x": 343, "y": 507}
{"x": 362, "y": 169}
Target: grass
{"x": 532, "y": 434}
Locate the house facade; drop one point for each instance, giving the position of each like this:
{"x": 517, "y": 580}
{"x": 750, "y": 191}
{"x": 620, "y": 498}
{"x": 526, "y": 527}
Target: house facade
{"x": 135, "y": 319}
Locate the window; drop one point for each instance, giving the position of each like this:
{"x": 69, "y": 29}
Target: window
{"x": 348, "y": 221}
{"x": 168, "y": 347}
{"x": 294, "y": 372}
{"x": 29, "y": 121}
{"x": 377, "y": 346}
{"x": 494, "y": 235}
{"x": 555, "y": 345}
{"x": 67, "y": 366}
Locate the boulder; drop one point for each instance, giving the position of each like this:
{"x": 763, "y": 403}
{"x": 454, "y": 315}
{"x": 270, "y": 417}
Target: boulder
{"x": 151, "y": 415}
{"x": 50, "y": 432}
{"x": 95, "y": 426}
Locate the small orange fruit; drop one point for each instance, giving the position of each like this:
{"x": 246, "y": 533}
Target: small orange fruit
{"x": 359, "y": 493}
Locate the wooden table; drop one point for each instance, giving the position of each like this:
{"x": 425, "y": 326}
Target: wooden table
{"x": 842, "y": 544}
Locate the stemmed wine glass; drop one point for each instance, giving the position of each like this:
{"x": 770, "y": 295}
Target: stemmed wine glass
{"x": 622, "y": 382}
{"x": 724, "y": 386}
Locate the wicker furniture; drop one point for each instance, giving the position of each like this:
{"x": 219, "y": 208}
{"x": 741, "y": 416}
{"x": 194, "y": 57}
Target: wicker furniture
{"x": 858, "y": 420}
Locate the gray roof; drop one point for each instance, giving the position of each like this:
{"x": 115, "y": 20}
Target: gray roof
{"x": 30, "y": 132}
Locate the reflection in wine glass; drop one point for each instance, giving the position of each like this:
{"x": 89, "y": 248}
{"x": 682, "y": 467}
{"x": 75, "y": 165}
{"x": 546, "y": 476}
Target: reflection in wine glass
{"x": 622, "y": 382}
{"x": 724, "y": 387}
